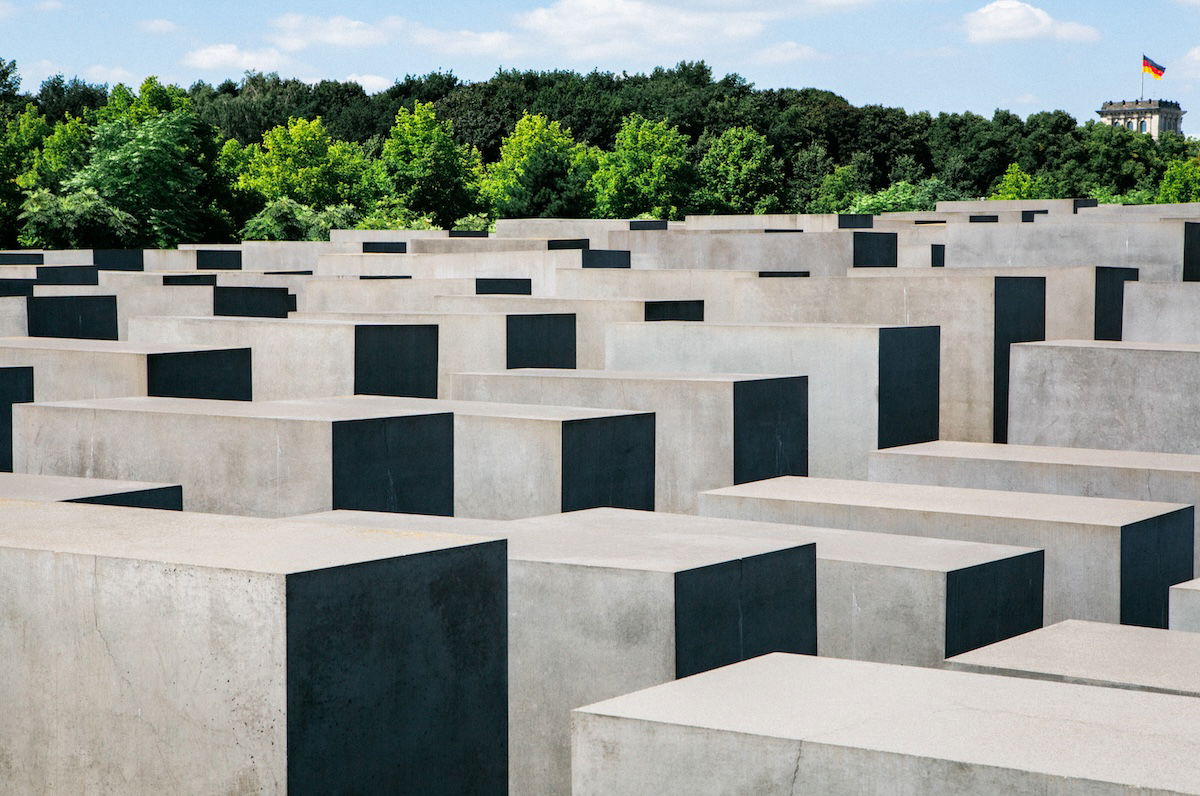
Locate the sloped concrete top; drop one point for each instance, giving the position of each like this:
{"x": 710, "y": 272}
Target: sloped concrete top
{"x": 20, "y": 486}
{"x": 406, "y": 522}
{"x": 357, "y": 407}
{"x": 1046, "y": 454}
{"x": 953, "y": 500}
{"x": 1118, "y": 345}
{"x": 207, "y": 540}
{"x": 1081, "y": 732}
{"x": 101, "y": 346}
{"x": 631, "y": 375}
{"x": 1096, "y": 653}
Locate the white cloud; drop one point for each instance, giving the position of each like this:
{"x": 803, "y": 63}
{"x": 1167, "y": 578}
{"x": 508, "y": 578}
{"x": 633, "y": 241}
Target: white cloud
{"x": 232, "y": 57}
{"x": 1026, "y": 99}
{"x": 499, "y": 44}
{"x": 158, "y": 26}
{"x": 108, "y": 74}
{"x": 786, "y": 53}
{"x": 1012, "y": 20}
{"x": 1189, "y": 65}
{"x": 293, "y": 32}
{"x": 372, "y": 84}
{"x": 7, "y": 9}
{"x": 48, "y": 5}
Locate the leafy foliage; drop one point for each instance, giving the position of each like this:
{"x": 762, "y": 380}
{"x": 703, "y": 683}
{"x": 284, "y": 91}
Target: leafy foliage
{"x": 649, "y": 171}
{"x": 427, "y": 170}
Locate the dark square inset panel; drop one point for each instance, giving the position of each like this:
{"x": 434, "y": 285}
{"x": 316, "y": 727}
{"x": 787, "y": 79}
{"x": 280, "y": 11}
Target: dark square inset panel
{"x": 1155, "y": 555}
{"x": 874, "y": 250}
{"x": 1077, "y": 204}
{"x": 81, "y": 317}
{"x": 608, "y": 461}
{"x": 17, "y": 287}
{"x": 253, "y": 302}
{"x": 856, "y": 221}
{"x": 990, "y": 602}
{"x": 1029, "y": 216}
{"x": 605, "y": 258}
{"x": 16, "y": 387}
{"x": 397, "y": 359}
{"x": 189, "y": 279}
{"x": 166, "y": 498}
{"x": 118, "y": 259}
{"x": 770, "y": 428}
{"x": 740, "y": 609}
{"x": 21, "y": 258}
{"x": 647, "y": 225}
{"x": 397, "y": 464}
{"x": 937, "y": 255}
{"x": 223, "y": 374}
{"x": 1020, "y": 317}
{"x": 1110, "y": 300}
{"x": 67, "y": 275}
{"x": 1191, "y": 251}
{"x": 397, "y": 675}
{"x": 674, "y": 310}
{"x": 385, "y": 247}
{"x": 783, "y": 274}
{"x": 218, "y": 260}
{"x": 568, "y": 243}
{"x": 468, "y": 233}
{"x": 983, "y": 219}
{"x": 506, "y": 287}
{"x": 545, "y": 340}
{"x": 909, "y": 384}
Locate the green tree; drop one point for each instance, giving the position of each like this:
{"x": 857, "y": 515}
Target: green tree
{"x": 79, "y": 220}
{"x": 542, "y": 172}
{"x": 838, "y": 191}
{"x": 739, "y": 174}
{"x": 61, "y": 154}
{"x": 1181, "y": 182}
{"x": 22, "y": 136}
{"x": 427, "y": 170}
{"x": 648, "y": 171}
{"x": 286, "y": 219}
{"x": 1016, "y": 184}
{"x": 810, "y": 167}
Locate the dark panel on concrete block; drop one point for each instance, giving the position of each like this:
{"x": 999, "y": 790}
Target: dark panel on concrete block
{"x": 937, "y": 255}
{"x": 770, "y": 428}
{"x": 1191, "y": 251}
{"x": 468, "y": 233}
{"x": 218, "y": 260}
{"x": 927, "y": 221}
{"x": 1110, "y": 300}
{"x": 874, "y": 250}
{"x": 909, "y": 384}
{"x": 782, "y": 230}
{"x": 983, "y": 219}
{"x": 1155, "y": 555}
{"x": 770, "y": 274}
{"x": 397, "y": 675}
{"x": 1020, "y": 317}
{"x": 85, "y": 317}
{"x": 608, "y": 461}
{"x": 674, "y": 310}
{"x": 17, "y": 287}
{"x": 541, "y": 341}
{"x": 223, "y": 374}
{"x": 166, "y": 498}
{"x": 16, "y": 387}
{"x": 67, "y": 275}
{"x": 856, "y": 221}
{"x": 993, "y": 601}
{"x": 189, "y": 279}
{"x": 385, "y": 247}
{"x": 1029, "y": 216}
{"x": 288, "y": 273}
{"x": 118, "y": 259}
{"x": 1078, "y": 203}
{"x": 568, "y": 243}
{"x": 740, "y": 609}
{"x": 605, "y": 258}
{"x": 647, "y": 225}
{"x": 398, "y": 464}
{"x": 21, "y": 258}
{"x": 252, "y": 302}
{"x": 396, "y": 360}
{"x": 385, "y": 276}
{"x": 508, "y": 287}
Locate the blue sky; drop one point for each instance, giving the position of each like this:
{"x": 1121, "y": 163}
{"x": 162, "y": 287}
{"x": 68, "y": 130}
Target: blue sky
{"x": 936, "y": 55}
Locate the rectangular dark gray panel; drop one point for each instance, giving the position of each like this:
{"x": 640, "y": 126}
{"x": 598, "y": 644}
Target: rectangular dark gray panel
{"x": 770, "y": 428}
{"x": 674, "y": 310}
{"x": 1110, "y": 300}
{"x": 1155, "y": 555}
{"x": 874, "y": 250}
{"x": 1191, "y": 251}
{"x": 385, "y": 276}
{"x": 468, "y": 233}
{"x": 927, "y": 221}
{"x": 397, "y": 675}
{"x": 17, "y": 287}
{"x": 288, "y": 273}
{"x": 21, "y": 258}
{"x": 118, "y": 259}
{"x": 541, "y": 341}
{"x": 16, "y": 387}
{"x": 937, "y": 255}
{"x": 740, "y": 609}
{"x": 164, "y": 498}
{"x": 781, "y": 231}
{"x": 82, "y": 317}
{"x": 983, "y": 219}
{"x": 218, "y": 260}
{"x": 1020, "y": 317}
{"x": 189, "y": 279}
{"x": 568, "y": 243}
{"x": 1029, "y": 216}
{"x": 608, "y": 461}
{"x": 909, "y": 385}
{"x": 605, "y": 258}
{"x": 647, "y": 225}
{"x": 397, "y": 359}
{"x": 856, "y": 221}
{"x": 222, "y": 374}
{"x": 506, "y": 287}
{"x": 782, "y": 274}
{"x": 990, "y": 602}
{"x": 68, "y": 275}
{"x": 252, "y": 302}
{"x": 1076, "y": 204}
{"x": 397, "y": 464}
{"x": 385, "y": 247}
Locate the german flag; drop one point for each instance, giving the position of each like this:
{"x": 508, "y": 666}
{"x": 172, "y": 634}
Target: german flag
{"x": 1152, "y": 68}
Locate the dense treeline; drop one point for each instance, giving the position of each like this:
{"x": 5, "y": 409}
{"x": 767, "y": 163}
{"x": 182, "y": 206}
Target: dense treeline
{"x": 266, "y": 157}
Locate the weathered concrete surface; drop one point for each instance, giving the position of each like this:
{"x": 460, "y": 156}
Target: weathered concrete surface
{"x": 101, "y": 491}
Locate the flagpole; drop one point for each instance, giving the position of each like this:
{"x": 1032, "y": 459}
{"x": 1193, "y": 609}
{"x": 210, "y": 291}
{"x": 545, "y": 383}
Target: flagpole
{"x": 1143, "y": 91}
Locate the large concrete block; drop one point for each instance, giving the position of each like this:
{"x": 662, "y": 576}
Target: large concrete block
{"x": 1106, "y": 560}
{"x": 793, "y": 723}
{"x": 1113, "y": 395}
{"x": 1162, "y": 312}
{"x": 1185, "y": 606}
{"x": 101, "y": 491}
{"x": 278, "y": 457}
{"x": 868, "y": 386}
{"x": 152, "y": 652}
{"x": 711, "y": 431}
{"x": 1089, "y": 472}
{"x": 1095, "y": 653}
